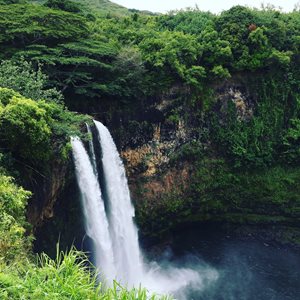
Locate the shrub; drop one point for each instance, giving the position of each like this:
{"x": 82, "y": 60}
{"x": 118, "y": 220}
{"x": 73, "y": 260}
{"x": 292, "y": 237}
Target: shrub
{"x": 36, "y": 130}
{"x": 13, "y": 200}
{"x": 69, "y": 276}
{"x": 25, "y": 128}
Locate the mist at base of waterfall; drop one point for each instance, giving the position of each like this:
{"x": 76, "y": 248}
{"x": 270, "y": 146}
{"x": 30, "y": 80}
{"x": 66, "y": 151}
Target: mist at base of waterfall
{"x": 179, "y": 278}
{"x": 166, "y": 275}
{"x": 234, "y": 269}
{"x": 222, "y": 268}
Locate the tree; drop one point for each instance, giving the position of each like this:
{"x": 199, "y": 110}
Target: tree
{"x": 172, "y": 53}
{"x": 216, "y": 52}
{"x": 233, "y": 26}
{"x": 24, "y": 25}
{"x": 259, "y": 49}
{"x": 129, "y": 72}
{"x": 192, "y": 21}
{"x": 65, "y": 5}
{"x": 22, "y": 77}
{"x": 5, "y": 2}
{"x": 291, "y": 139}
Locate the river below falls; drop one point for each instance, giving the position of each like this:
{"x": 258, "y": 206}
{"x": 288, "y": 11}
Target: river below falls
{"x": 247, "y": 268}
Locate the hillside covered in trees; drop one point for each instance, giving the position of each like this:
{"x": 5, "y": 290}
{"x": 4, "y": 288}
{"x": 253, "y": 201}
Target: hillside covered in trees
{"x": 212, "y": 100}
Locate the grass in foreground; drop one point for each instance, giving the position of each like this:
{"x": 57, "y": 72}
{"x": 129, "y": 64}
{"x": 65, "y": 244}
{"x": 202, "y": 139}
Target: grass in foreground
{"x": 68, "y": 277}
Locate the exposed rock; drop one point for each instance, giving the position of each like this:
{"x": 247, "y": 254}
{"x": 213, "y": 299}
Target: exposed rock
{"x": 175, "y": 180}
{"x": 243, "y": 103}
{"x": 46, "y": 191}
{"x": 149, "y": 159}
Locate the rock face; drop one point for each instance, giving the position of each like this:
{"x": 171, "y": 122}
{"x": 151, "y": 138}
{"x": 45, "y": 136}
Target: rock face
{"x": 174, "y": 180}
{"x": 55, "y": 211}
{"x": 150, "y": 158}
{"x": 244, "y": 106}
{"x": 178, "y": 126}
{"x": 152, "y": 167}
{"x": 46, "y": 190}
{"x": 161, "y": 169}
{"x": 155, "y": 167}
{"x": 162, "y": 144}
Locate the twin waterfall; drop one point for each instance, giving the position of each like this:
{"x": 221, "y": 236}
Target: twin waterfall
{"x": 109, "y": 213}
{"x": 121, "y": 211}
{"x": 110, "y": 226}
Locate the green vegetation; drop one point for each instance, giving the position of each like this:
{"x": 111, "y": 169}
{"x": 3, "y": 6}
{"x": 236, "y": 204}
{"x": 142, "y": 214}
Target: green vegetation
{"x": 231, "y": 79}
{"x": 69, "y": 276}
{"x": 21, "y": 77}
{"x": 13, "y": 200}
{"x": 217, "y": 193}
{"x": 101, "y": 7}
{"x": 36, "y": 131}
{"x": 89, "y": 57}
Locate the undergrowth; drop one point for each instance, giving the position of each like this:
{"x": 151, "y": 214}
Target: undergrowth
{"x": 68, "y": 277}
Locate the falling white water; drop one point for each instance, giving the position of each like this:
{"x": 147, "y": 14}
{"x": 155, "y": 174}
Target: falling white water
{"x": 94, "y": 212}
{"x": 91, "y": 148}
{"x": 127, "y": 254}
{"x": 116, "y": 238}
{"x": 131, "y": 269}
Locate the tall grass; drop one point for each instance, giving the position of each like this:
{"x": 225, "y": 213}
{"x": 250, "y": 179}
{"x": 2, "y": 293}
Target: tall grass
{"x": 68, "y": 277}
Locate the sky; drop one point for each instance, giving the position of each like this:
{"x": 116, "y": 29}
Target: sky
{"x": 214, "y": 6}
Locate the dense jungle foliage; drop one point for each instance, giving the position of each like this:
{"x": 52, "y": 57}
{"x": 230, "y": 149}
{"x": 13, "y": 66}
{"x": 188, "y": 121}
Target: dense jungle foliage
{"x": 95, "y": 57}
{"x": 94, "y": 60}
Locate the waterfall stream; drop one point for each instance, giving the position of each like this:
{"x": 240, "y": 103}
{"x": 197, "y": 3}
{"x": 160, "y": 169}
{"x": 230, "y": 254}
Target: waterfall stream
{"x": 96, "y": 223}
{"x": 112, "y": 227}
{"x": 120, "y": 212}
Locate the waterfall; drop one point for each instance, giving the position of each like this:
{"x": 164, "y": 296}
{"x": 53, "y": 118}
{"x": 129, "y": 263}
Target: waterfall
{"x": 96, "y": 223}
{"x": 112, "y": 228}
{"x": 127, "y": 254}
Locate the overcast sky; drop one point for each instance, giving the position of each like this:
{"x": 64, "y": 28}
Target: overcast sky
{"x": 211, "y": 5}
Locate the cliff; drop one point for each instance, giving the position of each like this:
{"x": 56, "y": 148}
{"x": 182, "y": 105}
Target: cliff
{"x": 185, "y": 173}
